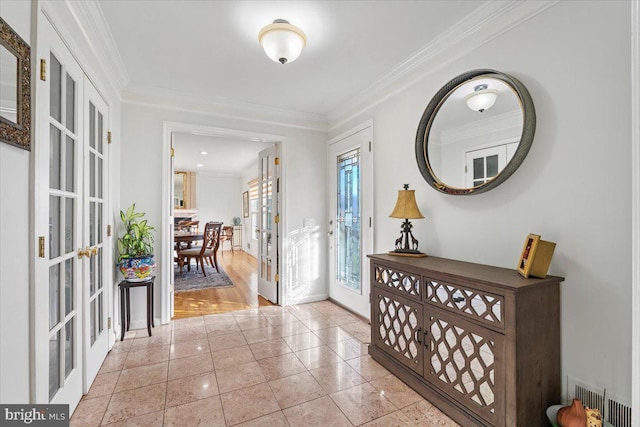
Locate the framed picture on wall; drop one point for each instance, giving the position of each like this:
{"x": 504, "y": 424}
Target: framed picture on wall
{"x": 245, "y": 204}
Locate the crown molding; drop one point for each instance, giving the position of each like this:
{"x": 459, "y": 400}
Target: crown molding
{"x": 489, "y": 21}
{"x": 222, "y": 107}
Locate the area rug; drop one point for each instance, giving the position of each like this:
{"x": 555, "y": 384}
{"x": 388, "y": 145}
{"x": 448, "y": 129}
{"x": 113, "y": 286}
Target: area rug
{"x": 194, "y": 280}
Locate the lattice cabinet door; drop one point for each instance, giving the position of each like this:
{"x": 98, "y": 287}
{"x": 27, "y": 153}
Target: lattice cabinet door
{"x": 397, "y": 329}
{"x": 466, "y": 361}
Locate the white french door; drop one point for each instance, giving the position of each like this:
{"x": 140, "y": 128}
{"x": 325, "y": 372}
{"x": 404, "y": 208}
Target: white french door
{"x": 350, "y": 219}
{"x": 70, "y": 302}
{"x": 268, "y": 221}
{"x": 96, "y": 342}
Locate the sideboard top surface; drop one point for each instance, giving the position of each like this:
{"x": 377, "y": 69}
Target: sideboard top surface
{"x": 443, "y": 267}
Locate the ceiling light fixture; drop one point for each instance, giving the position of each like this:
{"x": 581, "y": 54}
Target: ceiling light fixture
{"x": 282, "y": 41}
{"x": 199, "y": 165}
{"x": 204, "y": 153}
{"x": 481, "y": 98}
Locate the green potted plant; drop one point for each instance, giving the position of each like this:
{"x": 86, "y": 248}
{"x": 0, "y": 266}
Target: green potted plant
{"x": 136, "y": 246}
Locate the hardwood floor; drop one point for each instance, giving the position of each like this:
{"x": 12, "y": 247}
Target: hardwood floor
{"x": 242, "y": 270}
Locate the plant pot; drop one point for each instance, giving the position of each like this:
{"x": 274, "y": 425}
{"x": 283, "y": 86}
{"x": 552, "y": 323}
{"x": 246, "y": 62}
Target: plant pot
{"x": 137, "y": 269}
{"x": 573, "y": 415}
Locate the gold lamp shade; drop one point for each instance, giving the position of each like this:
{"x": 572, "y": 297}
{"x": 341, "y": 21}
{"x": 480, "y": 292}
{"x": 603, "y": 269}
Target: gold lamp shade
{"x": 406, "y": 206}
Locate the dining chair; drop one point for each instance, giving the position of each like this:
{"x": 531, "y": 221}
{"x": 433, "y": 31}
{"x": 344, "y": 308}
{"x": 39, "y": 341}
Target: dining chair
{"x": 208, "y": 250}
{"x": 226, "y": 236}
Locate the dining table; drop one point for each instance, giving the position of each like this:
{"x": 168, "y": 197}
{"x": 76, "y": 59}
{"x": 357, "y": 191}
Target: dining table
{"x": 187, "y": 236}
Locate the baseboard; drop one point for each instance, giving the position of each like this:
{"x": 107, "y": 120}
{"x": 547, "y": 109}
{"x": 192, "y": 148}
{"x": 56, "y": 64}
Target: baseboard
{"x": 306, "y": 299}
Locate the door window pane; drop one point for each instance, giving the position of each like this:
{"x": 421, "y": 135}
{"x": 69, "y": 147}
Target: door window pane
{"x": 348, "y": 246}
{"x": 492, "y": 166}
{"x": 68, "y": 347}
{"x": 92, "y": 321}
{"x": 69, "y": 222}
{"x": 100, "y": 313}
{"x": 99, "y": 263}
{"x": 70, "y": 164}
{"x": 92, "y": 221}
{"x": 54, "y": 364}
{"x": 54, "y": 297}
{"x": 54, "y": 227}
{"x": 92, "y": 174}
{"x": 99, "y": 207}
{"x": 100, "y": 177}
{"x": 55, "y": 90}
{"x": 99, "y": 137}
{"x": 478, "y": 168}
{"x": 92, "y": 279}
{"x": 92, "y": 125}
{"x": 54, "y": 157}
{"x": 68, "y": 286}
{"x": 71, "y": 104}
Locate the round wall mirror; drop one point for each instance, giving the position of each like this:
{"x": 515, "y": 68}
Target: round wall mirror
{"x": 475, "y": 132}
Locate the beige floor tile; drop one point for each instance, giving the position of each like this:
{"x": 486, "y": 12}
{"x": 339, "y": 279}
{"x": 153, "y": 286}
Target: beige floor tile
{"x": 296, "y": 389}
{"x": 394, "y": 419}
{"x": 368, "y": 368}
{"x": 200, "y": 413}
{"x": 303, "y": 341}
{"x": 318, "y": 322}
{"x": 188, "y": 389}
{"x": 336, "y": 377}
{"x": 248, "y": 403}
{"x": 122, "y": 346}
{"x": 220, "y": 342}
{"x": 396, "y": 391}
{"x": 147, "y": 356}
{"x": 261, "y": 334}
{"x": 281, "y": 318}
{"x": 189, "y": 348}
{"x": 89, "y": 412}
{"x": 321, "y": 412}
{"x": 153, "y": 419}
{"x": 113, "y": 362}
{"x": 189, "y": 334}
{"x": 424, "y": 413}
{"x": 276, "y": 419}
{"x": 291, "y": 328}
{"x": 223, "y": 326}
{"x": 239, "y": 376}
{"x": 187, "y": 366}
{"x": 349, "y": 349}
{"x": 252, "y": 323}
{"x": 157, "y": 339}
{"x": 265, "y": 349}
{"x": 281, "y": 366}
{"x": 189, "y": 322}
{"x": 317, "y": 357}
{"x": 133, "y": 403}
{"x": 141, "y": 376}
{"x": 232, "y": 356}
{"x": 362, "y": 403}
{"x": 103, "y": 385}
{"x": 332, "y": 334}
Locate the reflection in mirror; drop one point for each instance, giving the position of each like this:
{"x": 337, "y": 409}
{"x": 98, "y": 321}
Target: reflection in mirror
{"x": 468, "y": 148}
{"x": 475, "y": 132}
{"x": 8, "y": 85}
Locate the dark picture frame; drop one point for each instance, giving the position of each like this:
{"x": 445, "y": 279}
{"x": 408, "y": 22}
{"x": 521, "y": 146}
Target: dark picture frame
{"x": 245, "y": 204}
{"x": 18, "y": 132}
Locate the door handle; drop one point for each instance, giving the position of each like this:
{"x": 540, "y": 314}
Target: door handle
{"x": 330, "y": 233}
{"x": 94, "y": 250}
{"x": 82, "y": 253}
{"x": 417, "y": 335}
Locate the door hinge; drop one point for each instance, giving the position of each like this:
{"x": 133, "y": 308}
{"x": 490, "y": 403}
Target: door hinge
{"x": 41, "y": 246}
{"x": 277, "y": 219}
{"x": 369, "y": 146}
{"x": 276, "y": 277}
{"x": 109, "y": 323}
{"x": 109, "y": 230}
{"x": 369, "y": 222}
{"x": 172, "y": 152}
{"x": 465, "y": 168}
{"x": 109, "y": 137}
{"x": 276, "y": 161}
{"x": 43, "y": 70}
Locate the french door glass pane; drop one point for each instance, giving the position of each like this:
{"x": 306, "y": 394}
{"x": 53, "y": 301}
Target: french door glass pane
{"x": 69, "y": 214}
{"x": 99, "y": 177}
{"x": 92, "y": 125}
{"x": 71, "y": 105}
{"x": 68, "y": 286}
{"x": 92, "y": 279}
{"x": 55, "y": 152}
{"x": 55, "y": 90}
{"x": 492, "y": 166}
{"x": 99, "y": 136}
{"x": 70, "y": 155}
{"x": 54, "y": 296}
{"x": 99, "y": 262}
{"x": 54, "y": 227}
{"x": 68, "y": 347}
{"x": 478, "y": 168}
{"x": 100, "y": 305}
{"x": 92, "y": 216}
{"x": 92, "y": 175}
{"x": 54, "y": 364}
{"x": 92, "y": 322}
{"x": 99, "y": 206}
{"x": 348, "y": 245}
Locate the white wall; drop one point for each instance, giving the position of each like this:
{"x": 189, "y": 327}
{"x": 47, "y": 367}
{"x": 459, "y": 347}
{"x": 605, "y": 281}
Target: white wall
{"x": 573, "y": 188}
{"x": 14, "y": 246}
{"x": 248, "y": 243}
{"x": 219, "y": 198}
{"x": 303, "y": 179}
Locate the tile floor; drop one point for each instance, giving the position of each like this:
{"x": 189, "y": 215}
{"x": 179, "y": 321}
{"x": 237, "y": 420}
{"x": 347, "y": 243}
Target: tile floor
{"x": 304, "y": 365}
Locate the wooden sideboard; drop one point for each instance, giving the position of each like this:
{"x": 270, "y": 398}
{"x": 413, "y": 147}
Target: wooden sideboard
{"x": 481, "y": 343}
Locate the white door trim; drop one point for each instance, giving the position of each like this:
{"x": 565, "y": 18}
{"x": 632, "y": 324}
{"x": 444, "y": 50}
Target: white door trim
{"x": 166, "y": 229}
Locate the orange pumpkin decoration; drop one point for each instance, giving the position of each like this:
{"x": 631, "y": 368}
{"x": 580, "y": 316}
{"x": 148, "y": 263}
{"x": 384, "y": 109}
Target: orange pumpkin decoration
{"x": 573, "y": 415}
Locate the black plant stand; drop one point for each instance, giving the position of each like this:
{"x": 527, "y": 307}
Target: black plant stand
{"x": 125, "y": 304}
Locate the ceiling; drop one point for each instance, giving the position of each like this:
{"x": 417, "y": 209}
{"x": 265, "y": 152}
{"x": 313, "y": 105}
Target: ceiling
{"x": 209, "y": 50}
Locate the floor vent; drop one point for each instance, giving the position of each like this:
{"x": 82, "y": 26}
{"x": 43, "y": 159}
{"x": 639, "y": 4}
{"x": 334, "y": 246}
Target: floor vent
{"x": 615, "y": 412}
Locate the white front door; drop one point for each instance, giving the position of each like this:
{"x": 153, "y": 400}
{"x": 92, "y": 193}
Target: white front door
{"x": 72, "y": 265}
{"x": 268, "y": 221}
{"x": 94, "y": 219}
{"x": 350, "y": 220}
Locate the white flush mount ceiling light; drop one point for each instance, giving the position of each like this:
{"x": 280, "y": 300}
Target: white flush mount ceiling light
{"x": 282, "y": 41}
{"x": 481, "y": 98}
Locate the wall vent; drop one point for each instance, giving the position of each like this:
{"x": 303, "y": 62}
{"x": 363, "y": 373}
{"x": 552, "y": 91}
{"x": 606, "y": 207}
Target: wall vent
{"x": 614, "y": 410}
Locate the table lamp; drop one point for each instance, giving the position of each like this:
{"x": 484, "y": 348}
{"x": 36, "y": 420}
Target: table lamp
{"x": 406, "y": 208}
